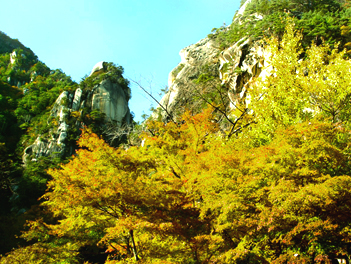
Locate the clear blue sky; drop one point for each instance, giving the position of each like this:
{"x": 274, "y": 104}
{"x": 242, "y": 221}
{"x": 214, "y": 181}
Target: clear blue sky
{"x": 144, "y": 37}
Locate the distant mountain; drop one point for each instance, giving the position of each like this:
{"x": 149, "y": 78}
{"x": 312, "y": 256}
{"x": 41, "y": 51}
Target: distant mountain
{"x": 7, "y": 45}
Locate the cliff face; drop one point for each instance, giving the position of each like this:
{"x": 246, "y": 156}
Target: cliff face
{"x": 106, "y": 103}
{"x": 240, "y": 65}
{"x": 234, "y": 68}
{"x": 194, "y": 58}
{"x": 112, "y": 100}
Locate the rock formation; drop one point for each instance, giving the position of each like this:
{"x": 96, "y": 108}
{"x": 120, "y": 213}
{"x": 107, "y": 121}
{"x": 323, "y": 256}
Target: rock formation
{"x": 240, "y": 65}
{"x": 235, "y": 68}
{"x": 71, "y": 112}
{"x": 53, "y": 145}
{"x": 181, "y": 79}
{"x": 111, "y": 99}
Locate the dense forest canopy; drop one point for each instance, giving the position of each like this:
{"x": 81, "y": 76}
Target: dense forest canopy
{"x": 272, "y": 186}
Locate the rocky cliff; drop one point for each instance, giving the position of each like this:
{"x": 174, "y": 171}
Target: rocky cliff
{"x": 234, "y": 69}
{"x": 194, "y": 60}
{"x": 100, "y": 101}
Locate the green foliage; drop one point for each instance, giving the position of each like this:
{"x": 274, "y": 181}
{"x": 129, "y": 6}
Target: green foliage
{"x": 28, "y": 89}
{"x": 9, "y": 131}
{"x": 95, "y": 120}
{"x": 111, "y": 72}
{"x": 34, "y": 108}
{"x": 40, "y": 69}
{"x": 7, "y": 45}
{"x": 297, "y": 90}
{"x": 319, "y": 20}
{"x": 32, "y": 183}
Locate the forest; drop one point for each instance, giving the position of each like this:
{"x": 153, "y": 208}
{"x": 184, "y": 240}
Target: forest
{"x": 269, "y": 184}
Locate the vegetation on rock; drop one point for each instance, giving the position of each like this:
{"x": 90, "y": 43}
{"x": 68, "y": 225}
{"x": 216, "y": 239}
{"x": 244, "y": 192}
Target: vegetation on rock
{"x": 328, "y": 21}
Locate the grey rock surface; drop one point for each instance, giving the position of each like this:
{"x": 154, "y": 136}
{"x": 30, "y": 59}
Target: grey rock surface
{"x": 237, "y": 67}
{"x": 111, "y": 99}
{"x": 108, "y": 97}
{"x": 181, "y": 79}
{"x": 77, "y": 99}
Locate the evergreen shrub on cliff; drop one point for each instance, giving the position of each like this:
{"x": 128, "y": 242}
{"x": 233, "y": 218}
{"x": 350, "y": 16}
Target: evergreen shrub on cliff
{"x": 328, "y": 21}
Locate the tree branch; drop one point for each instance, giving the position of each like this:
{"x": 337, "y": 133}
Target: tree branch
{"x": 149, "y": 94}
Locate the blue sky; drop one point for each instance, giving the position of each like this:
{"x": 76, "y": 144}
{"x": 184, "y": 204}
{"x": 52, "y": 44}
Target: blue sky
{"x": 144, "y": 37}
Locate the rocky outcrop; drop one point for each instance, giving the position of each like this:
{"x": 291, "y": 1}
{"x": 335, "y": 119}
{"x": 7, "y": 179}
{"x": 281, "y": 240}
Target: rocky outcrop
{"x": 53, "y": 145}
{"x": 112, "y": 100}
{"x": 98, "y": 67}
{"x": 77, "y": 99}
{"x": 236, "y": 68}
{"x": 240, "y": 65}
{"x": 181, "y": 80}
{"x": 71, "y": 112}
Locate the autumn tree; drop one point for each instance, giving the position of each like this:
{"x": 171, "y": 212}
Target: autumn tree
{"x": 302, "y": 84}
{"x": 136, "y": 204}
{"x": 287, "y": 200}
{"x": 188, "y": 196}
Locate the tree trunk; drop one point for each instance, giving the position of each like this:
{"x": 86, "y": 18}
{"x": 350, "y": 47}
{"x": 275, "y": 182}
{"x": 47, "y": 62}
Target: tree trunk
{"x": 133, "y": 245}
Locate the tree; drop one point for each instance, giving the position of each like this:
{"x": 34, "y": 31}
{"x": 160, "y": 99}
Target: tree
{"x": 319, "y": 20}
{"x": 135, "y": 203}
{"x": 288, "y": 197}
{"x": 188, "y": 196}
{"x": 301, "y": 85}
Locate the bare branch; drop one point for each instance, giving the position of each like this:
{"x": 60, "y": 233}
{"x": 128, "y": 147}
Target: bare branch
{"x": 149, "y": 94}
